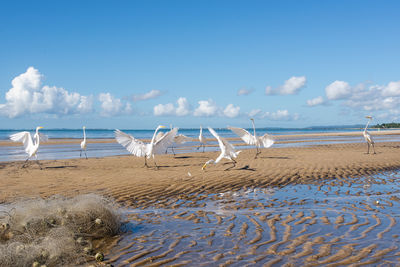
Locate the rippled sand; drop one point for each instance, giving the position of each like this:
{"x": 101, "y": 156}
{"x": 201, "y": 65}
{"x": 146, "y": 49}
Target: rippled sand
{"x": 317, "y": 205}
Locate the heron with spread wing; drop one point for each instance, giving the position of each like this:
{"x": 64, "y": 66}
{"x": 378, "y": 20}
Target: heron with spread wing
{"x": 367, "y": 136}
{"x": 139, "y": 149}
{"x": 31, "y": 146}
{"x": 227, "y": 151}
{"x": 259, "y": 141}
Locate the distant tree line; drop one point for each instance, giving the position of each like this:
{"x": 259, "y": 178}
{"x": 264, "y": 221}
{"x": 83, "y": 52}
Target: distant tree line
{"x": 387, "y": 125}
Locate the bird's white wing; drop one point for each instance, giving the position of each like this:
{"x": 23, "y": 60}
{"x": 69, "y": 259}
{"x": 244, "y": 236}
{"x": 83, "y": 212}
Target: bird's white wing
{"x": 245, "y": 135}
{"x": 24, "y": 137}
{"x": 165, "y": 141}
{"x": 42, "y": 137}
{"x": 227, "y": 149}
{"x": 266, "y": 140}
{"x": 159, "y": 135}
{"x": 181, "y": 139}
{"x": 133, "y": 145}
{"x": 368, "y": 137}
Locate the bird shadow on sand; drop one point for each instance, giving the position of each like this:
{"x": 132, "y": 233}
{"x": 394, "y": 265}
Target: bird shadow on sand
{"x": 190, "y": 157}
{"x": 274, "y": 157}
{"x": 60, "y": 167}
{"x": 246, "y": 168}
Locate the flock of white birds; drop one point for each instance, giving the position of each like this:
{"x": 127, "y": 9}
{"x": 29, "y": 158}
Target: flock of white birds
{"x": 160, "y": 143}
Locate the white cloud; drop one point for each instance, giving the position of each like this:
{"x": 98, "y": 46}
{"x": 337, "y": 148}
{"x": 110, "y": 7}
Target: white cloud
{"x": 290, "y": 87}
{"x": 182, "y": 109}
{"x": 111, "y": 106}
{"x": 279, "y": 115}
{"x": 28, "y": 96}
{"x": 231, "y": 111}
{"x": 392, "y": 89}
{"x": 338, "y": 90}
{"x": 206, "y": 108}
{"x": 244, "y": 91}
{"x": 254, "y": 112}
{"x": 149, "y": 95}
{"x": 315, "y": 101}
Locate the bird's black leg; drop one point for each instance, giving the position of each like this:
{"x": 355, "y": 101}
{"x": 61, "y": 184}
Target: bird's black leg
{"x": 145, "y": 162}
{"x": 173, "y": 151}
{"x": 85, "y": 154}
{"x": 257, "y": 153}
{"x": 156, "y": 164}
{"x": 204, "y": 147}
{"x": 233, "y": 166}
{"x": 368, "y": 148}
{"x": 373, "y": 146}
{"x": 24, "y": 165}
{"x": 40, "y": 166}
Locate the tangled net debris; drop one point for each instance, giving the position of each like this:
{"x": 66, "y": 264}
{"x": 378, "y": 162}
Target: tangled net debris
{"x": 57, "y": 231}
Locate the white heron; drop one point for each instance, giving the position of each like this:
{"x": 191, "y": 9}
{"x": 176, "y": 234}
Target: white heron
{"x": 367, "y": 136}
{"x": 202, "y": 140}
{"x": 139, "y": 149}
{"x": 31, "y": 146}
{"x": 259, "y": 141}
{"x": 83, "y": 143}
{"x": 227, "y": 151}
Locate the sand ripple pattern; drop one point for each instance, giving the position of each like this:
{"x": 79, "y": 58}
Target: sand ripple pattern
{"x": 330, "y": 224}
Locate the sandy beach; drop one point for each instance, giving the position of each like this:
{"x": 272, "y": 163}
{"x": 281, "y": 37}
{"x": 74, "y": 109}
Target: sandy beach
{"x": 173, "y": 222}
{"x": 125, "y": 178}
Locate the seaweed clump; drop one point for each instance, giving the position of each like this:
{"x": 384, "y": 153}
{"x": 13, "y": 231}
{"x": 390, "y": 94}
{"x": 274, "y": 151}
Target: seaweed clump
{"x": 57, "y": 231}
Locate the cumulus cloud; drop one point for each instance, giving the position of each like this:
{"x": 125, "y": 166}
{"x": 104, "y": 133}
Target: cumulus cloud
{"x": 315, "y": 101}
{"x": 279, "y": 115}
{"x": 244, "y": 91}
{"x": 231, "y": 111}
{"x": 182, "y": 109}
{"x": 28, "y": 96}
{"x": 111, "y": 106}
{"x": 206, "y": 108}
{"x": 338, "y": 90}
{"x": 149, "y": 95}
{"x": 392, "y": 89}
{"x": 290, "y": 87}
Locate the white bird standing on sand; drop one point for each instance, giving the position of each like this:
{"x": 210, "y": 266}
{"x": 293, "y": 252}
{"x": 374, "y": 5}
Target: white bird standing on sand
{"x": 139, "y": 149}
{"x": 202, "y": 140}
{"x": 227, "y": 151}
{"x": 367, "y": 136}
{"x": 83, "y": 143}
{"x": 31, "y": 146}
{"x": 266, "y": 140}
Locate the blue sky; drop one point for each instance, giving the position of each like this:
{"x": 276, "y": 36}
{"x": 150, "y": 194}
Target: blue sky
{"x": 137, "y": 64}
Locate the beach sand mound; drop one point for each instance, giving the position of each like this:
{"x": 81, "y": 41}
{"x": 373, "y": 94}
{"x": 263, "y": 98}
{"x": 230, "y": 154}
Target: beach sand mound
{"x": 57, "y": 231}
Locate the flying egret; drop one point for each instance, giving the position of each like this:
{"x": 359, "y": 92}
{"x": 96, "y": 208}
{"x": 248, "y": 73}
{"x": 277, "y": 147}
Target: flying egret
{"x": 202, "y": 140}
{"x": 266, "y": 140}
{"x": 367, "y": 136}
{"x": 83, "y": 143}
{"x": 227, "y": 151}
{"x": 31, "y": 146}
{"x": 140, "y": 149}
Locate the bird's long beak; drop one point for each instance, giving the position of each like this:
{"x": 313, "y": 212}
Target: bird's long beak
{"x": 368, "y": 117}
{"x": 204, "y": 166}
{"x": 40, "y": 127}
{"x": 162, "y": 126}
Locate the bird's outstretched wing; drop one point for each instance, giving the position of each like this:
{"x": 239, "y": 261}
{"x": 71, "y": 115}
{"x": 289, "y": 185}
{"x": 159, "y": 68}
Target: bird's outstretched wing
{"x": 159, "y": 135}
{"x": 245, "y": 135}
{"x": 133, "y": 145}
{"x": 266, "y": 140}
{"x": 181, "y": 139}
{"x": 227, "y": 149}
{"x": 164, "y": 142}
{"x": 42, "y": 137}
{"x": 24, "y": 137}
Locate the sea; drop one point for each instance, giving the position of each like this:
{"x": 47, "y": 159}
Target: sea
{"x": 72, "y": 150}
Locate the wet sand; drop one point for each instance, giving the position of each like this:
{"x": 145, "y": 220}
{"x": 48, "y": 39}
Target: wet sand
{"x": 182, "y": 215}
